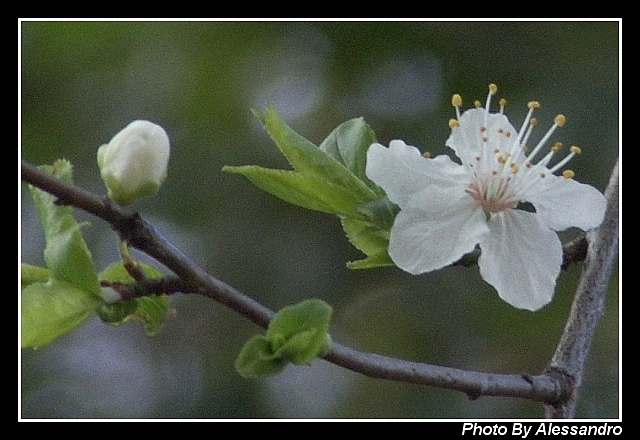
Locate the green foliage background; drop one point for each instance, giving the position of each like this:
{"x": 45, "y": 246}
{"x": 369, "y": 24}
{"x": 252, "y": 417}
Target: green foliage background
{"x": 83, "y": 81}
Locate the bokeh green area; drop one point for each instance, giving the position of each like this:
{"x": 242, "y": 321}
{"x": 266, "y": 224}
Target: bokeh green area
{"x": 83, "y": 81}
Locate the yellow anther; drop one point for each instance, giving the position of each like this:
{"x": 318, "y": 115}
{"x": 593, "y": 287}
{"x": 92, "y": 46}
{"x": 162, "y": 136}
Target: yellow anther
{"x": 503, "y": 102}
{"x": 568, "y": 174}
{"x": 533, "y": 104}
{"x": 533, "y": 122}
{"x": 575, "y": 150}
{"x": 477, "y": 104}
{"x": 426, "y": 155}
{"x": 514, "y": 168}
{"x": 556, "y": 147}
{"x": 524, "y": 148}
{"x": 493, "y": 89}
{"x": 502, "y": 159}
{"x": 456, "y": 100}
{"x": 560, "y": 120}
{"x": 453, "y": 123}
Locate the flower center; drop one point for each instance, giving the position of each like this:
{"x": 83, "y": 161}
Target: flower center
{"x": 500, "y": 163}
{"x": 493, "y": 197}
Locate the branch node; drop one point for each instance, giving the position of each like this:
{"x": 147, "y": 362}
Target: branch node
{"x": 564, "y": 384}
{"x": 474, "y": 395}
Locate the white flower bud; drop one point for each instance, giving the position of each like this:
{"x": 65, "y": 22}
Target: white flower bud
{"x": 134, "y": 163}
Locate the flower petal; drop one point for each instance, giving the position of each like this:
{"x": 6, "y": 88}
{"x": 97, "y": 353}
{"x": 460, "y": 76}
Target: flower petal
{"x": 563, "y": 203}
{"x": 402, "y": 171}
{"x": 480, "y": 130}
{"x": 436, "y": 228}
{"x": 521, "y": 258}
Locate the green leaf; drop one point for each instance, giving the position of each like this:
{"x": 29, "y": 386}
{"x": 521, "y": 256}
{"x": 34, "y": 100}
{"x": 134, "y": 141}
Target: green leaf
{"x": 33, "y": 274}
{"x": 299, "y": 332}
{"x": 308, "y": 191}
{"x": 51, "y": 309}
{"x": 152, "y": 310}
{"x": 380, "y": 213}
{"x": 308, "y": 159}
{"x": 65, "y": 254}
{"x": 256, "y": 359}
{"x": 296, "y": 334}
{"x": 348, "y": 144}
{"x": 369, "y": 239}
{"x": 117, "y": 273}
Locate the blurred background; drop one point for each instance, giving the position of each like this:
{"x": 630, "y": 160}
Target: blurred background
{"x": 83, "y": 81}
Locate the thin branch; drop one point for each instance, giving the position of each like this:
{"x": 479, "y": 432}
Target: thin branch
{"x": 588, "y": 306}
{"x": 538, "y": 388}
{"x": 549, "y": 388}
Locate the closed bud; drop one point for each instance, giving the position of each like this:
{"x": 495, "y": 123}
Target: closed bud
{"x": 134, "y": 163}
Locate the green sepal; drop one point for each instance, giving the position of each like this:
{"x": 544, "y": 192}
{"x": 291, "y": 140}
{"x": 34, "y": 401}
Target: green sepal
{"x": 297, "y": 334}
{"x": 51, "y": 309}
{"x": 151, "y": 310}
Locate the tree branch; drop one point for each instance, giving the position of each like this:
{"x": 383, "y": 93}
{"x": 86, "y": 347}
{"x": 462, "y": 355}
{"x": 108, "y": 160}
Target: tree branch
{"x": 588, "y": 305}
{"x": 549, "y": 388}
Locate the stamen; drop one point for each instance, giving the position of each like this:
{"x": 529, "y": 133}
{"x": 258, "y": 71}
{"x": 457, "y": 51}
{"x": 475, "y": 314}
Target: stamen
{"x": 532, "y": 123}
{"x": 426, "y": 155}
{"x": 569, "y": 174}
{"x": 503, "y": 103}
{"x": 453, "y": 123}
{"x": 456, "y": 101}
{"x": 531, "y": 105}
{"x": 557, "y": 122}
{"x": 573, "y": 151}
{"x": 477, "y": 103}
{"x": 493, "y": 89}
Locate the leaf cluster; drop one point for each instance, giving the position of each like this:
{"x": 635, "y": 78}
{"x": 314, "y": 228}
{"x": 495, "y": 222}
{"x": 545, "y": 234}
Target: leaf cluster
{"x": 57, "y": 298}
{"x": 330, "y": 178}
{"x": 297, "y": 334}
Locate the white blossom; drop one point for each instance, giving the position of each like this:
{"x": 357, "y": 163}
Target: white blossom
{"x": 446, "y": 208}
{"x": 134, "y": 163}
